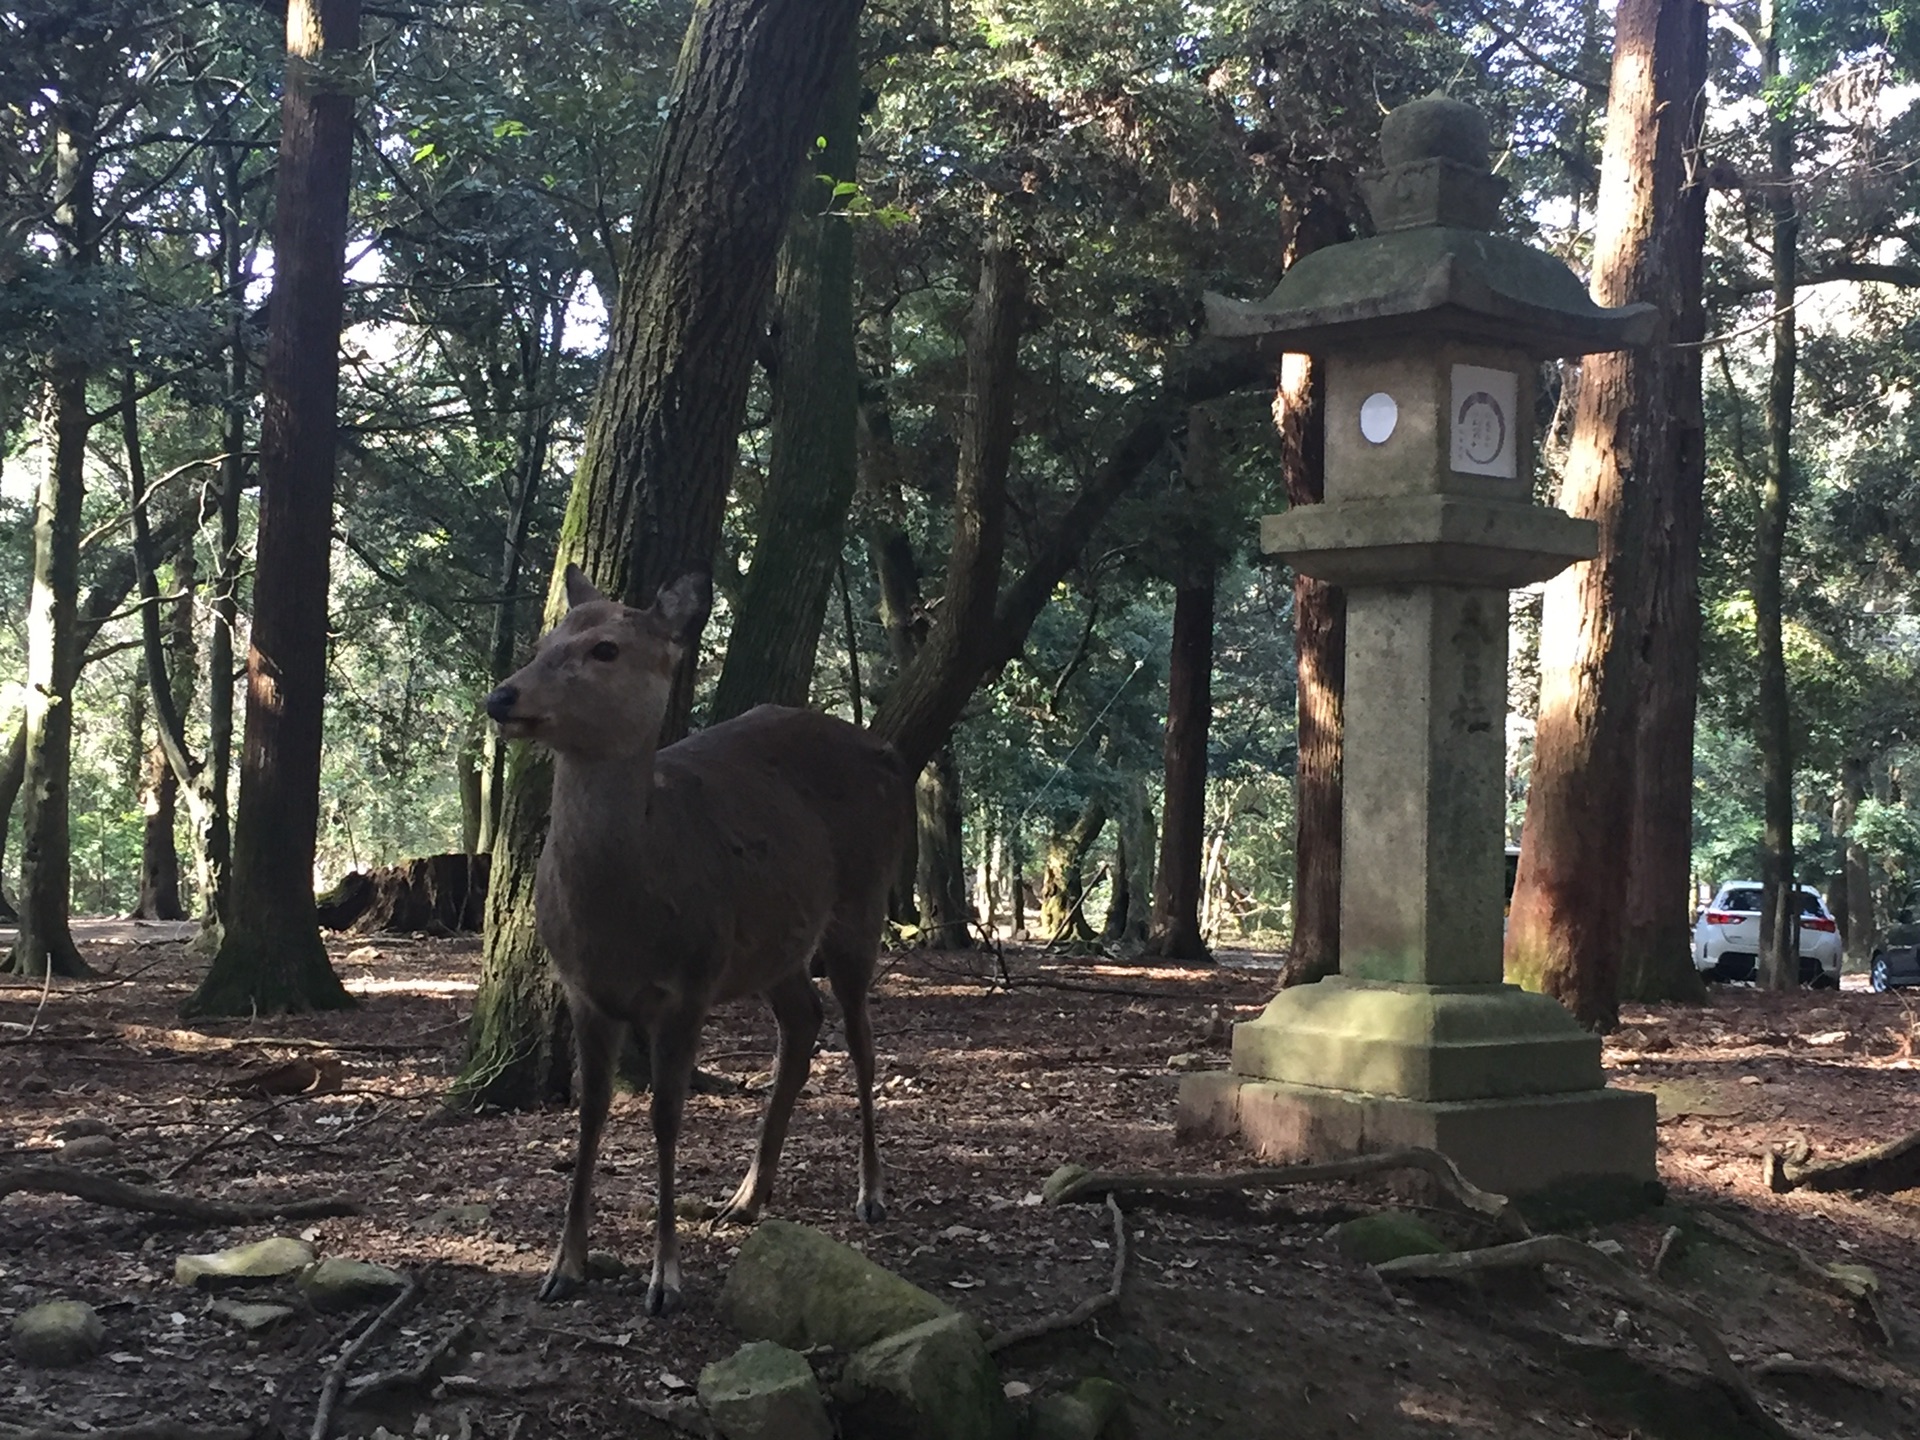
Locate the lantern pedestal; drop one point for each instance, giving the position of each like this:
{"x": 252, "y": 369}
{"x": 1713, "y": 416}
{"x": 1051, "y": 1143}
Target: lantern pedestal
{"x": 1430, "y": 333}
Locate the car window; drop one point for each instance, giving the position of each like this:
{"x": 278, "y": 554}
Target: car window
{"x": 1810, "y": 904}
{"x": 1740, "y": 900}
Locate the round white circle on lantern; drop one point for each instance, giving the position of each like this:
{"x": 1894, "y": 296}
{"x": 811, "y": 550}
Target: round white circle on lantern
{"x": 1378, "y": 415}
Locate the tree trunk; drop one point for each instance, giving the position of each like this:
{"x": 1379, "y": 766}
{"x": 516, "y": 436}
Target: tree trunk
{"x": 1665, "y": 101}
{"x": 1174, "y": 932}
{"x": 1320, "y": 669}
{"x": 1130, "y": 911}
{"x": 1780, "y": 910}
{"x": 1063, "y": 917}
{"x": 812, "y": 464}
{"x": 1863, "y": 927}
{"x": 924, "y": 701}
{"x": 271, "y": 957}
{"x": 44, "y": 943}
{"x": 159, "y": 854}
{"x": 945, "y": 921}
{"x": 662, "y": 438}
{"x": 1566, "y": 932}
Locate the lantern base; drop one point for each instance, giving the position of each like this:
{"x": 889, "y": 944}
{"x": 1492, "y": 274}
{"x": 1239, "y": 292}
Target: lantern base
{"x": 1515, "y": 1145}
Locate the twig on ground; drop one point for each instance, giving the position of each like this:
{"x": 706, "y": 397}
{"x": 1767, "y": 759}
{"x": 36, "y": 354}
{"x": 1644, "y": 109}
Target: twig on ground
{"x": 337, "y": 1372}
{"x": 151, "y": 1430}
{"x": 1670, "y": 1239}
{"x": 1564, "y": 1250}
{"x": 1814, "y": 1370}
{"x": 46, "y": 989}
{"x": 622, "y": 1342}
{"x": 200, "y": 1153}
{"x": 416, "y": 1376}
{"x": 104, "y": 1190}
{"x": 1087, "y": 1308}
{"x": 1444, "y": 1172}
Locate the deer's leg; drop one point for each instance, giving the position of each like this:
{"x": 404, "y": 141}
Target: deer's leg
{"x": 674, "y": 1039}
{"x": 597, "y": 1039}
{"x": 797, "y": 1011}
{"x": 850, "y": 974}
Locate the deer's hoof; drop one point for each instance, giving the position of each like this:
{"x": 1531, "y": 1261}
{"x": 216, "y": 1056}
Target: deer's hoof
{"x": 662, "y": 1299}
{"x": 560, "y": 1286}
{"x": 870, "y": 1208}
{"x": 737, "y": 1212}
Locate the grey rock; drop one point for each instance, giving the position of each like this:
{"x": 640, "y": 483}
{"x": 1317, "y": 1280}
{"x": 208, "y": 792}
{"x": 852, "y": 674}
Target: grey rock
{"x": 337, "y": 1283}
{"x": 800, "y": 1288}
{"x": 1093, "y": 1410}
{"x": 243, "y": 1264}
{"x": 764, "y": 1391}
{"x": 455, "y": 1219}
{"x": 933, "y": 1382}
{"x": 88, "y": 1147}
{"x": 253, "y": 1318}
{"x": 58, "y": 1332}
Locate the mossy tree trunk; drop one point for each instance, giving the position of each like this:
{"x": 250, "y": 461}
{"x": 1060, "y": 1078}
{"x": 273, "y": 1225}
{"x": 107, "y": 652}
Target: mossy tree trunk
{"x": 945, "y": 917}
{"x": 271, "y": 957}
{"x": 811, "y": 455}
{"x": 1063, "y": 885}
{"x": 662, "y": 435}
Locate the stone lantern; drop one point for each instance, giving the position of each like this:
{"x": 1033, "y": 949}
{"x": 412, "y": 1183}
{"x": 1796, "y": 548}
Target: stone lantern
{"x": 1430, "y": 333}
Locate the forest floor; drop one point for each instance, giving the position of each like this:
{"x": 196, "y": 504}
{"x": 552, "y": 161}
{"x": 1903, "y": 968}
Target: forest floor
{"x": 1239, "y": 1317}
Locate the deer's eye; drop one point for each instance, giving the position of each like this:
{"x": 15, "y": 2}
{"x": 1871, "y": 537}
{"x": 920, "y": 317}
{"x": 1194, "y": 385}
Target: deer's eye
{"x": 605, "y": 650}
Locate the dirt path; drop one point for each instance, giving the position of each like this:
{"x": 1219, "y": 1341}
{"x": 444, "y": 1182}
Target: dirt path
{"x": 1241, "y": 1319}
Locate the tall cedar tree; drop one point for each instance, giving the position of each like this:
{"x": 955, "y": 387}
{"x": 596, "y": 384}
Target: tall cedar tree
{"x": 1173, "y": 929}
{"x": 1569, "y": 899}
{"x": 271, "y": 957}
{"x": 1668, "y": 104}
{"x": 1779, "y": 911}
{"x": 663, "y": 433}
{"x": 44, "y": 944}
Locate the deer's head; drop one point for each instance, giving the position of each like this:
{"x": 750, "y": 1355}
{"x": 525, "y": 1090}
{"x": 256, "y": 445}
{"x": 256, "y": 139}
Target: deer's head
{"x": 598, "y": 683}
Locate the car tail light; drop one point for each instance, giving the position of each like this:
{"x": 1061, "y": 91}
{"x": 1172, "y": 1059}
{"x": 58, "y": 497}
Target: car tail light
{"x": 1723, "y": 917}
{"x": 1820, "y": 923}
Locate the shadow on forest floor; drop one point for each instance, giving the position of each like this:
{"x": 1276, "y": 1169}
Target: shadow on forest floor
{"x": 1240, "y": 1319}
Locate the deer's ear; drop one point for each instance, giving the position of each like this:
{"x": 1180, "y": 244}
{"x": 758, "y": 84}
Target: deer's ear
{"x": 580, "y": 590}
{"x": 682, "y": 606}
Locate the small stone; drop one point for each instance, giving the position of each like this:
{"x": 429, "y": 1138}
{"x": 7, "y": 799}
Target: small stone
{"x": 58, "y": 1332}
{"x": 1093, "y": 1410}
{"x": 88, "y": 1147}
{"x": 337, "y": 1283}
{"x": 458, "y": 1219}
{"x": 1389, "y": 1235}
{"x": 764, "y": 1391}
{"x": 243, "y": 1264}
{"x": 1612, "y": 1249}
{"x": 81, "y": 1125}
{"x": 253, "y": 1318}
{"x": 34, "y": 1084}
{"x": 1189, "y": 1060}
{"x": 605, "y": 1265}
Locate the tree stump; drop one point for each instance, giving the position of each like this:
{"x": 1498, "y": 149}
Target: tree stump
{"x": 437, "y": 894}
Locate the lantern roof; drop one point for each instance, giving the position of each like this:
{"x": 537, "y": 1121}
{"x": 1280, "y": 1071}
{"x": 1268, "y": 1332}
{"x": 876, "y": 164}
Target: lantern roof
{"x": 1435, "y": 268}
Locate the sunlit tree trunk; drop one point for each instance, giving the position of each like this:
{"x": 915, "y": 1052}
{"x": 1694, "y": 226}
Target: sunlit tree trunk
{"x": 1320, "y": 669}
{"x": 1063, "y": 886}
{"x": 1666, "y": 102}
{"x": 1780, "y": 913}
{"x": 662, "y": 437}
{"x": 44, "y": 942}
{"x": 271, "y": 957}
{"x": 811, "y": 461}
{"x": 1627, "y": 461}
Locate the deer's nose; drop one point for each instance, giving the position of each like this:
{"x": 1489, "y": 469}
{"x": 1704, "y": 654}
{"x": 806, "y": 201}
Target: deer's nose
{"x": 501, "y": 702}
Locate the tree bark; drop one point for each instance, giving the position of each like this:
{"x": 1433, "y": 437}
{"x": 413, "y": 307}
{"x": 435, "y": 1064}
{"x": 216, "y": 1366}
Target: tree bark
{"x": 1320, "y": 669}
{"x": 1668, "y": 459}
{"x": 1863, "y": 927}
{"x": 1130, "y": 912}
{"x": 1174, "y": 931}
{"x": 1063, "y": 918}
{"x": 1780, "y": 910}
{"x": 1566, "y": 931}
{"x": 945, "y": 919}
{"x": 271, "y": 957}
{"x": 662, "y": 437}
{"x": 924, "y": 701}
{"x": 812, "y": 463}
{"x": 44, "y": 944}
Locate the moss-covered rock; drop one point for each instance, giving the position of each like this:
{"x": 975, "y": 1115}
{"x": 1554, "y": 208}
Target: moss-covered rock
{"x": 932, "y": 1382}
{"x": 764, "y": 1391}
{"x": 1093, "y": 1410}
{"x": 1388, "y": 1235}
{"x": 59, "y": 1332}
{"x": 337, "y": 1283}
{"x": 249, "y": 1264}
{"x": 800, "y": 1288}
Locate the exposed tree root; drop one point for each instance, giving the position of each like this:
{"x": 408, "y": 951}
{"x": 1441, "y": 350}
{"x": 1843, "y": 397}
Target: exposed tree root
{"x": 1852, "y": 1283}
{"x": 337, "y": 1372}
{"x": 1564, "y": 1250}
{"x": 1495, "y": 1208}
{"x": 1087, "y": 1308}
{"x": 416, "y": 1377}
{"x": 104, "y": 1190}
{"x": 1884, "y": 1169}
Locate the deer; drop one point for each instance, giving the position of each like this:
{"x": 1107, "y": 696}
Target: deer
{"x": 675, "y": 879}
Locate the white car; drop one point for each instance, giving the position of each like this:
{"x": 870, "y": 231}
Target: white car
{"x": 1726, "y": 939}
